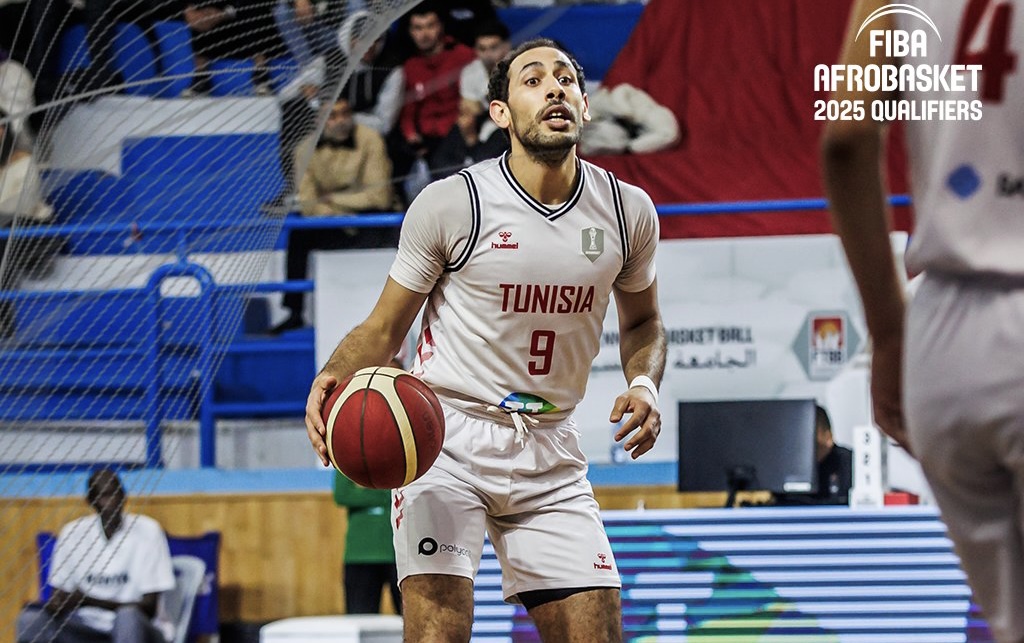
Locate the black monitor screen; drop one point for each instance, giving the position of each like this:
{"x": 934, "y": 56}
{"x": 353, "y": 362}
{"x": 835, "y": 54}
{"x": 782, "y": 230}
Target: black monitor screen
{"x": 748, "y": 444}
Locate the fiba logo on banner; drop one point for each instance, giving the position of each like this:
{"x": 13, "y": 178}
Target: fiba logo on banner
{"x": 954, "y": 91}
{"x": 826, "y": 343}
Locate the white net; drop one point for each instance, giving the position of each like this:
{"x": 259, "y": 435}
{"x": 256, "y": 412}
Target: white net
{"x": 147, "y": 155}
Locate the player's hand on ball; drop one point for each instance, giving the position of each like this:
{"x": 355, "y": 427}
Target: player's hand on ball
{"x": 315, "y": 429}
{"x": 644, "y": 414}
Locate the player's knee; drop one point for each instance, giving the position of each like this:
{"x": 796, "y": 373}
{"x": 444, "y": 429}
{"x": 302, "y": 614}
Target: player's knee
{"x": 437, "y": 608}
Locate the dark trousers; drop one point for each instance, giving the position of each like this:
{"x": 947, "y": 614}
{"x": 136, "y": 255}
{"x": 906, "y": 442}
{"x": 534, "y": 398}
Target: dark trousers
{"x": 302, "y": 242}
{"x": 363, "y": 585}
{"x": 130, "y": 626}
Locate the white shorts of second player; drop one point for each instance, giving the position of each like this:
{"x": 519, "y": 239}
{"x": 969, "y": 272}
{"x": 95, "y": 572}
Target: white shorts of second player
{"x": 532, "y": 498}
{"x": 964, "y": 405}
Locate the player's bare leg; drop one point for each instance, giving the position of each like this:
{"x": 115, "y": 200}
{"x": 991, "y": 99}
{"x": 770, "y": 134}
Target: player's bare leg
{"x": 594, "y": 616}
{"x": 437, "y": 608}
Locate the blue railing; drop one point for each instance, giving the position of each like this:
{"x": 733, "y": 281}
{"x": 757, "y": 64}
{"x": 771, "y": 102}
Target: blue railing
{"x": 208, "y": 344}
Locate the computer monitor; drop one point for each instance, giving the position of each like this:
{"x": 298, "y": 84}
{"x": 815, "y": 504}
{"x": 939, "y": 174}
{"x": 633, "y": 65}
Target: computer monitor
{"x": 747, "y": 445}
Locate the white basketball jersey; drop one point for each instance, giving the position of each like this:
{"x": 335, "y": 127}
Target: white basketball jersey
{"x": 968, "y": 176}
{"x": 518, "y": 290}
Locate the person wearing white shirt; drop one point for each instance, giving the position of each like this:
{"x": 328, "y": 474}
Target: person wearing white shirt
{"x": 107, "y": 573}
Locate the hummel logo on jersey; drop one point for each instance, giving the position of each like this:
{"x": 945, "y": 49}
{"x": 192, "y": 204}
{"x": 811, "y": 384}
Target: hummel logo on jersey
{"x": 505, "y": 245}
{"x": 603, "y": 564}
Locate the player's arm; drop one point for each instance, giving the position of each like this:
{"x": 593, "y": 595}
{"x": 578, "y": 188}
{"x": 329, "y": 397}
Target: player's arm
{"x": 371, "y": 343}
{"x": 852, "y": 156}
{"x": 642, "y": 350}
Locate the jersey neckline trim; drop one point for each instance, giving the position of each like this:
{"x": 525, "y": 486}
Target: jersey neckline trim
{"x": 550, "y": 213}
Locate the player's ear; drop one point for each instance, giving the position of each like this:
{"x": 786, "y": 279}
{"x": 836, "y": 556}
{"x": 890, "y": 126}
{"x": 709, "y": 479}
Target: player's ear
{"x": 499, "y": 114}
{"x": 586, "y": 109}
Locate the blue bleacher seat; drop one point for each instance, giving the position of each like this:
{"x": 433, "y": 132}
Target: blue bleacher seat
{"x": 231, "y": 77}
{"x": 135, "y": 60}
{"x": 174, "y": 53}
{"x": 74, "y": 52}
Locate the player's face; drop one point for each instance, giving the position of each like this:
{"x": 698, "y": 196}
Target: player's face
{"x": 546, "y": 108}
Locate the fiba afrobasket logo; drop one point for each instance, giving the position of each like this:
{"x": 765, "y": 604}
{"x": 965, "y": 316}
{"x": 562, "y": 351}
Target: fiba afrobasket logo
{"x": 917, "y": 88}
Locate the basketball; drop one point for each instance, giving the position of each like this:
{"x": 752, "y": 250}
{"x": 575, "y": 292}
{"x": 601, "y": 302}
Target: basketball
{"x": 385, "y": 427}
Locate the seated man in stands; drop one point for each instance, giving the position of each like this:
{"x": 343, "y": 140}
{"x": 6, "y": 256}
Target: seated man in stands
{"x": 374, "y": 89}
{"x": 491, "y": 44}
{"x": 835, "y": 469}
{"x": 107, "y": 572}
{"x": 348, "y": 173}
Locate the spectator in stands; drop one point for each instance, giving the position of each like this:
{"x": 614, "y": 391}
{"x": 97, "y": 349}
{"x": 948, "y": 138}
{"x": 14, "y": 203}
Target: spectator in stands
{"x": 461, "y": 19}
{"x": 492, "y": 43}
{"x": 465, "y": 146}
{"x": 17, "y": 96}
{"x": 369, "y": 550}
{"x": 431, "y": 89}
{"x": 349, "y": 173}
{"x": 375, "y": 88}
{"x": 474, "y": 137}
{"x": 232, "y": 29}
{"x": 310, "y": 30}
{"x": 835, "y": 468}
{"x": 107, "y": 573}
{"x": 21, "y": 203}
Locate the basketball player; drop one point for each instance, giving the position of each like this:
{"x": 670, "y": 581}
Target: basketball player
{"x": 516, "y": 259}
{"x": 960, "y": 346}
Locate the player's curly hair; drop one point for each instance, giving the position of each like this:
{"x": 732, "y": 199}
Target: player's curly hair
{"x": 497, "y": 85}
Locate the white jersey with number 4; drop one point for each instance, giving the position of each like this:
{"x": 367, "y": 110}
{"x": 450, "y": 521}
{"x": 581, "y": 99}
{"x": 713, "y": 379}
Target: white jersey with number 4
{"x": 968, "y": 176}
{"x": 518, "y": 290}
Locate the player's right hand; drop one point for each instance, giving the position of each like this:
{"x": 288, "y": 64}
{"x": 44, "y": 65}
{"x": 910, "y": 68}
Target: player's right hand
{"x": 315, "y": 429}
{"x": 887, "y": 389}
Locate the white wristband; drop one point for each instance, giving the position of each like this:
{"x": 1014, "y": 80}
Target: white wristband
{"x": 647, "y": 383}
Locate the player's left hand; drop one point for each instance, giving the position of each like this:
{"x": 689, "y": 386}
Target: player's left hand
{"x": 644, "y": 414}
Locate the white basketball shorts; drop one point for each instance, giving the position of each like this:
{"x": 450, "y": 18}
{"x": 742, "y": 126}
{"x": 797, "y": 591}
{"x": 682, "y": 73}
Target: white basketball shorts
{"x": 531, "y": 496}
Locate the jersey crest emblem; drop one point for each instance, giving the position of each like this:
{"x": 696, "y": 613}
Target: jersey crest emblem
{"x": 592, "y": 243}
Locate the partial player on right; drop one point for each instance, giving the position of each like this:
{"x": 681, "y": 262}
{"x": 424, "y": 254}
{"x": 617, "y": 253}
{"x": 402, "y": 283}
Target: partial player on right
{"x": 952, "y": 369}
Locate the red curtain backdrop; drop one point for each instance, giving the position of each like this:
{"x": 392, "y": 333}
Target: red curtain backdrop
{"x": 739, "y": 77}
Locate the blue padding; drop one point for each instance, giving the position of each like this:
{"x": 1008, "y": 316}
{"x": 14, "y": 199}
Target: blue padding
{"x": 266, "y": 370}
{"x": 174, "y": 53}
{"x": 231, "y": 77}
{"x": 74, "y": 52}
{"x": 84, "y": 196}
{"x": 45, "y": 542}
{"x": 594, "y": 34}
{"x": 255, "y": 154}
{"x": 135, "y": 60}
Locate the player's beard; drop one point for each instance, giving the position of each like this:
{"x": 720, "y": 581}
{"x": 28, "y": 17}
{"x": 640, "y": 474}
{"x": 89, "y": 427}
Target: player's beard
{"x": 549, "y": 148}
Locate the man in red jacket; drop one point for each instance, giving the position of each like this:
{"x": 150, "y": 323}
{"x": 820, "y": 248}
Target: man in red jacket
{"x": 431, "y": 89}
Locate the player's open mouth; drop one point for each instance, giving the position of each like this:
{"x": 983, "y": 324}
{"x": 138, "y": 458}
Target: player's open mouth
{"x": 558, "y": 116}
